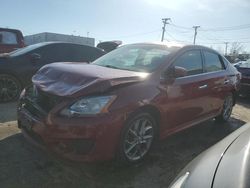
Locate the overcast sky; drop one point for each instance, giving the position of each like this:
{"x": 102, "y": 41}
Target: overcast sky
{"x": 134, "y": 20}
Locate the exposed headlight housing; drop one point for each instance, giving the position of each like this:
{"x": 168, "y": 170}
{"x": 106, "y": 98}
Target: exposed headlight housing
{"x": 89, "y": 106}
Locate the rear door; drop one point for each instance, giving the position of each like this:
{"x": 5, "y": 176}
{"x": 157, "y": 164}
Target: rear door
{"x": 217, "y": 80}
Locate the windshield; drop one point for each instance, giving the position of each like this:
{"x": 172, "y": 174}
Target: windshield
{"x": 139, "y": 58}
{"x": 27, "y": 49}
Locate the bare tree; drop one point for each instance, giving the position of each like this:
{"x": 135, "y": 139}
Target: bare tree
{"x": 236, "y": 48}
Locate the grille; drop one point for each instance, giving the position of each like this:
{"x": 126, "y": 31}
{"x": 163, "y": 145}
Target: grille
{"x": 46, "y": 101}
{"x": 39, "y": 103}
{"x": 34, "y": 109}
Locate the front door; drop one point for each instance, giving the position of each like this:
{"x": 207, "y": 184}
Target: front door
{"x": 185, "y": 97}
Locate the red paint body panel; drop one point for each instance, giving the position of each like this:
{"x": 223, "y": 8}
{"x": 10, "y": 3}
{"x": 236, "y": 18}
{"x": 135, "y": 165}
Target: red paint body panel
{"x": 179, "y": 103}
{"x": 59, "y": 131}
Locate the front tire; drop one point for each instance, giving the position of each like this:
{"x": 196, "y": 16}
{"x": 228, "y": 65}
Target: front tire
{"x": 137, "y": 138}
{"x": 226, "y": 110}
{"x": 10, "y": 88}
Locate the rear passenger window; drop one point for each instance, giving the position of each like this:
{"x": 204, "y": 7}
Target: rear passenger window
{"x": 191, "y": 61}
{"x": 212, "y": 62}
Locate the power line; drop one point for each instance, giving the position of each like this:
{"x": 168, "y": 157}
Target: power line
{"x": 181, "y": 27}
{"x": 133, "y": 35}
{"x": 223, "y": 42}
{"x": 239, "y": 27}
{"x": 228, "y": 28}
{"x": 170, "y": 35}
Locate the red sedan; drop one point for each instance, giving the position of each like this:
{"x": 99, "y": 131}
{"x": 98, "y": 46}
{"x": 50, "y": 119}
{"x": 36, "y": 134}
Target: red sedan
{"x": 125, "y": 100}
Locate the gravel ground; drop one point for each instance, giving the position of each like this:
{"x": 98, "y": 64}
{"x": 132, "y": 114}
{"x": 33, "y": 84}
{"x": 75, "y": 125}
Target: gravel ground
{"x": 23, "y": 166}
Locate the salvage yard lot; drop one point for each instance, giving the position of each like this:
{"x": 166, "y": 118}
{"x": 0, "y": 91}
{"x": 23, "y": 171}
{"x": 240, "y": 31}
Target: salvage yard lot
{"x": 22, "y": 165}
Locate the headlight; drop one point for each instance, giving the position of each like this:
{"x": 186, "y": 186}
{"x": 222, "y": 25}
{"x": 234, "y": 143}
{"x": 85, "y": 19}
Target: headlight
{"x": 179, "y": 183}
{"x": 89, "y": 106}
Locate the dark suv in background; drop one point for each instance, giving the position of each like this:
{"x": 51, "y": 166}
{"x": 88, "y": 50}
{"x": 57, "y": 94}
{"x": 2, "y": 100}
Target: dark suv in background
{"x": 17, "y": 68}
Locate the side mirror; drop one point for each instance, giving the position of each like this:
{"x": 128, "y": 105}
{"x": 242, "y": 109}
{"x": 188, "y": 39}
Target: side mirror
{"x": 175, "y": 72}
{"x": 180, "y": 72}
{"x": 35, "y": 57}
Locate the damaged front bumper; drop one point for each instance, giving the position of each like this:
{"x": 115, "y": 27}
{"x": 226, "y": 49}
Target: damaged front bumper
{"x": 78, "y": 139}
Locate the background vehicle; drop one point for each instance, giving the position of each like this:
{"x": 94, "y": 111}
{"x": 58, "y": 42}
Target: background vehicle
{"x": 244, "y": 69}
{"x": 17, "y": 68}
{"x": 10, "y": 40}
{"x": 119, "y": 104}
{"x": 226, "y": 164}
{"x": 108, "y": 46}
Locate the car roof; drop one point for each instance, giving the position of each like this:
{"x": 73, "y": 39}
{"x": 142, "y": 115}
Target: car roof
{"x": 11, "y": 30}
{"x": 177, "y": 45}
{"x": 58, "y": 42}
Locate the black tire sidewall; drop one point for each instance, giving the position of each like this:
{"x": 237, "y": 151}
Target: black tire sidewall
{"x": 221, "y": 117}
{"x": 16, "y": 82}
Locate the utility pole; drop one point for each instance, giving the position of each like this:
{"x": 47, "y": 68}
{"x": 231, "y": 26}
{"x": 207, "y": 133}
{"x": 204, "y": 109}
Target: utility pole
{"x": 165, "y": 22}
{"x": 226, "y": 43}
{"x": 195, "y": 32}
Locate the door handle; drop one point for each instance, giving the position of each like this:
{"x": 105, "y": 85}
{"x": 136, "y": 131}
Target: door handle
{"x": 226, "y": 81}
{"x": 203, "y": 86}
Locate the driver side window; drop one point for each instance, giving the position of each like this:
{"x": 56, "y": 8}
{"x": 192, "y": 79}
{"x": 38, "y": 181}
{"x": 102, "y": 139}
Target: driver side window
{"x": 191, "y": 61}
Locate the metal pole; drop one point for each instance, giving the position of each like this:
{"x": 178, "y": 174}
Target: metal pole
{"x": 165, "y": 22}
{"x": 226, "y": 43}
{"x": 195, "y": 33}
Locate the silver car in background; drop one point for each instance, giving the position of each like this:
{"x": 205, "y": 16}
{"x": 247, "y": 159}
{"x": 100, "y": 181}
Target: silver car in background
{"x": 224, "y": 165}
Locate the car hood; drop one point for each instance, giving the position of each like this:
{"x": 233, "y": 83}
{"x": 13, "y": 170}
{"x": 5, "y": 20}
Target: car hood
{"x": 203, "y": 168}
{"x": 234, "y": 168}
{"x": 77, "y": 79}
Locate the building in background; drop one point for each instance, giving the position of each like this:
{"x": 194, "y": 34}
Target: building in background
{"x": 47, "y": 37}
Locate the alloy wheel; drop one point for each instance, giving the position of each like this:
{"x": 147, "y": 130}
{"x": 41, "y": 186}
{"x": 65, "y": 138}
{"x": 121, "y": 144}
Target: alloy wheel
{"x": 227, "y": 107}
{"x": 138, "y": 139}
{"x": 9, "y": 88}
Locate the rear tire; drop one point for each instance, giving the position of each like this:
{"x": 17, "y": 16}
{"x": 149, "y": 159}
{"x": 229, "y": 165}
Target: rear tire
{"x": 10, "y": 88}
{"x": 137, "y": 138}
{"x": 227, "y": 109}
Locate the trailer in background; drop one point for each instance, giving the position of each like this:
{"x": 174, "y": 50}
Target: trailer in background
{"x": 48, "y": 37}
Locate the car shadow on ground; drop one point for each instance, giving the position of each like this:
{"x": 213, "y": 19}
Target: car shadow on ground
{"x": 22, "y": 165}
{"x": 244, "y": 101}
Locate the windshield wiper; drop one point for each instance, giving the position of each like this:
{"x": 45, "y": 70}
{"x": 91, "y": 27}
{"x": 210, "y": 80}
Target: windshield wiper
{"x": 111, "y": 66}
{"x": 114, "y": 67}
